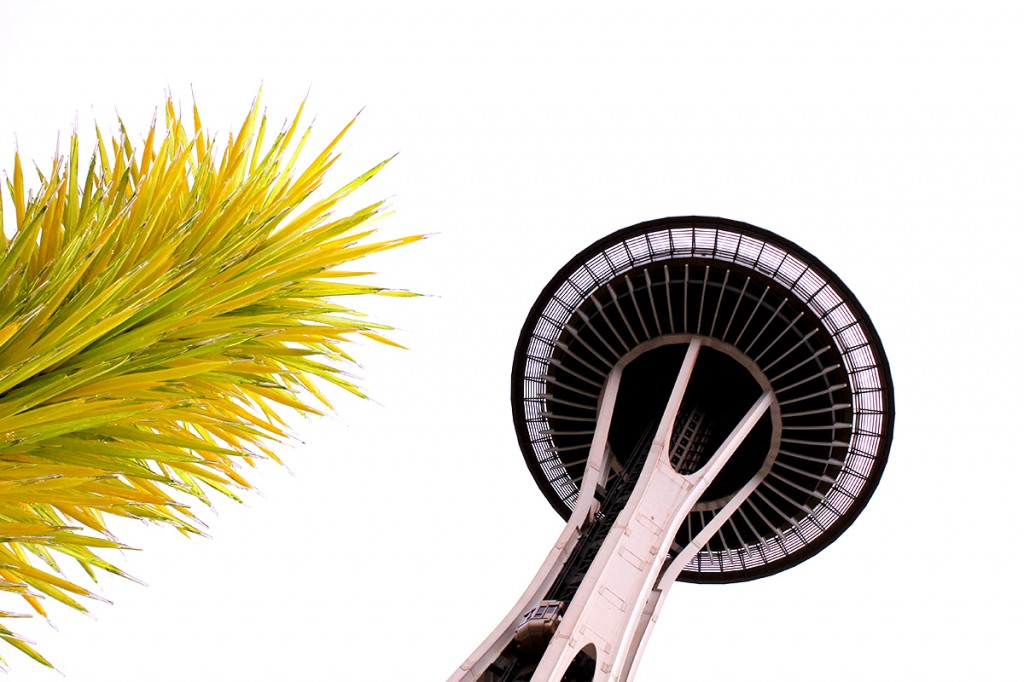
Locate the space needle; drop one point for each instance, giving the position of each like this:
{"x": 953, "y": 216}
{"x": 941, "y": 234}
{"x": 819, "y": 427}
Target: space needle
{"x": 701, "y": 400}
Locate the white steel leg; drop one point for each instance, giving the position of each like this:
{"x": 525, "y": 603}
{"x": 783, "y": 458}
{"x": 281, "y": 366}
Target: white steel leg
{"x": 671, "y": 572}
{"x": 607, "y": 610}
{"x": 474, "y": 666}
{"x": 625, "y": 586}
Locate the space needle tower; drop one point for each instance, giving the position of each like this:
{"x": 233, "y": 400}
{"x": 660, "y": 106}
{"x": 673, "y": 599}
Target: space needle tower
{"x": 702, "y": 401}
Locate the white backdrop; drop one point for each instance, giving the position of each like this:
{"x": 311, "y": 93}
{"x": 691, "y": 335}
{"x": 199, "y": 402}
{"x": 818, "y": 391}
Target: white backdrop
{"x": 884, "y": 137}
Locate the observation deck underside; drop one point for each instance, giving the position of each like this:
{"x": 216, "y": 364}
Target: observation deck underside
{"x": 772, "y": 318}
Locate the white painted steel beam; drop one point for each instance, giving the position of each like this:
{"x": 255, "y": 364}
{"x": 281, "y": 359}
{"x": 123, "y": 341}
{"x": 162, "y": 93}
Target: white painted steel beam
{"x": 629, "y": 577}
{"x": 622, "y": 592}
{"x": 597, "y": 462}
{"x": 670, "y": 573}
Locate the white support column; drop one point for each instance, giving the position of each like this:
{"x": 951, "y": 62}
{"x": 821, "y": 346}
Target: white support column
{"x": 608, "y": 608}
{"x": 597, "y": 460}
{"x": 670, "y": 573}
{"x": 625, "y": 586}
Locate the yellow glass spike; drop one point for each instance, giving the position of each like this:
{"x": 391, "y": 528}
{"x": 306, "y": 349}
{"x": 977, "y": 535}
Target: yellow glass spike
{"x": 163, "y": 315}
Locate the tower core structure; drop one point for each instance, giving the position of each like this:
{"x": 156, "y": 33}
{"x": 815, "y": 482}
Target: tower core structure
{"x": 702, "y": 401}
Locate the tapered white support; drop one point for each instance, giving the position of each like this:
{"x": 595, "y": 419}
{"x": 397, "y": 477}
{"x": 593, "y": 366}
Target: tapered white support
{"x": 670, "y": 573}
{"x": 623, "y": 589}
{"x": 608, "y": 608}
{"x": 474, "y": 668}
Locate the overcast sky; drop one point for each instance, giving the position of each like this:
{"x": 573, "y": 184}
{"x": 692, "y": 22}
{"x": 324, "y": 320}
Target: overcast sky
{"x": 886, "y": 138}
